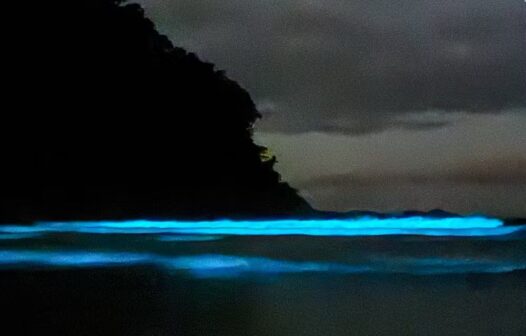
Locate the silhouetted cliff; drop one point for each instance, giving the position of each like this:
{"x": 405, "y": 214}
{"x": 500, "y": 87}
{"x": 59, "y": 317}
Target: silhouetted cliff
{"x": 105, "y": 118}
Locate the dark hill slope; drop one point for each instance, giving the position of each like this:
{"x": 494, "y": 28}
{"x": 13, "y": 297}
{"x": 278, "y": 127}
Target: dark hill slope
{"x": 105, "y": 118}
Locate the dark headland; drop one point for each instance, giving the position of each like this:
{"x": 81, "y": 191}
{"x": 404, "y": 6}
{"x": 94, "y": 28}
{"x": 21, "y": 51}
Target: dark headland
{"x": 107, "y": 119}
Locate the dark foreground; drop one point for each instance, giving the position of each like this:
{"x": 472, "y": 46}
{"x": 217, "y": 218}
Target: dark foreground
{"x": 144, "y": 301}
{"x": 151, "y": 284}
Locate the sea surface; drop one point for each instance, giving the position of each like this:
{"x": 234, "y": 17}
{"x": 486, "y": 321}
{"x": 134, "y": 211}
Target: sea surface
{"x": 400, "y": 276}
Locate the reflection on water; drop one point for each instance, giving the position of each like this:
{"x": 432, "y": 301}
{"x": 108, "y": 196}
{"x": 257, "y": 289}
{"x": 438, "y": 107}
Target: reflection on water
{"x": 369, "y": 277}
{"x": 225, "y": 266}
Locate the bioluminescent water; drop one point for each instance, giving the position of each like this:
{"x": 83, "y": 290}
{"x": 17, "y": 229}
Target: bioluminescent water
{"x": 364, "y": 276}
{"x": 230, "y": 249}
{"x": 366, "y": 226}
{"x": 229, "y": 266}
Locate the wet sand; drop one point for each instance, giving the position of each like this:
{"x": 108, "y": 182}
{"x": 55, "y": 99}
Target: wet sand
{"x": 149, "y": 301}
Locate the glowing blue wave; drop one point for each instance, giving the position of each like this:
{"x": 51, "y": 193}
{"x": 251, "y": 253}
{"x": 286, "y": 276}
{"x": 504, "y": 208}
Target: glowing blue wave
{"x": 22, "y": 235}
{"x": 465, "y": 226}
{"x": 188, "y": 238}
{"x": 221, "y": 266}
{"x": 227, "y": 266}
{"x": 70, "y": 258}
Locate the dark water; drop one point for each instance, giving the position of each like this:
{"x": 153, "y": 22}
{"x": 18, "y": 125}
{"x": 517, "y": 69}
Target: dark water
{"x": 74, "y": 283}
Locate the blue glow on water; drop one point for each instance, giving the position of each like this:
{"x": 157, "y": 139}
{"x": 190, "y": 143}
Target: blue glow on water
{"x": 20, "y": 229}
{"x": 222, "y": 266}
{"x": 188, "y": 238}
{"x": 225, "y": 266}
{"x": 16, "y": 236}
{"x": 229, "y": 266}
{"x": 20, "y": 258}
{"x": 159, "y": 241}
{"x": 366, "y": 226}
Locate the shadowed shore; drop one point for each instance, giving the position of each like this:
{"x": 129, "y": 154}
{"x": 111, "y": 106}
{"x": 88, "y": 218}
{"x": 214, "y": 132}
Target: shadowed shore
{"x": 145, "y": 301}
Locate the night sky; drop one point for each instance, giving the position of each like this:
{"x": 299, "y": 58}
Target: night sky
{"x": 378, "y": 105}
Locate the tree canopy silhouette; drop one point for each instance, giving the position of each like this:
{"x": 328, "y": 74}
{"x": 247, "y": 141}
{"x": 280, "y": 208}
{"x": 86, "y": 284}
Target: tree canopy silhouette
{"x": 107, "y": 119}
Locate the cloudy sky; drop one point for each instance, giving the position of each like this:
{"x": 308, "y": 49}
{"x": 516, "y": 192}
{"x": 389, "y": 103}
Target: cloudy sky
{"x": 381, "y": 105}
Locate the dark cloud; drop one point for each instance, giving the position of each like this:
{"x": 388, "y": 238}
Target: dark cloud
{"x": 491, "y": 187}
{"x": 510, "y": 171}
{"x": 360, "y": 66}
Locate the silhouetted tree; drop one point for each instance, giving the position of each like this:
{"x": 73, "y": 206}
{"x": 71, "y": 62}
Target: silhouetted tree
{"x": 107, "y": 119}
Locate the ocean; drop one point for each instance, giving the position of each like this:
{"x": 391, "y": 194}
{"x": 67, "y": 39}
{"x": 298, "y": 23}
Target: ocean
{"x": 411, "y": 276}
